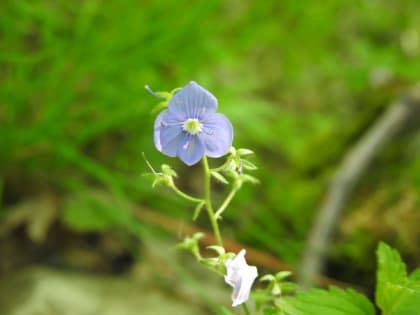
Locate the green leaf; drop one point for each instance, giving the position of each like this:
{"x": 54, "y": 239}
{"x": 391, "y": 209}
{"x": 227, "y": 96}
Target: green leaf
{"x": 390, "y": 266}
{"x": 391, "y": 278}
{"x": 396, "y": 293}
{"x": 334, "y": 301}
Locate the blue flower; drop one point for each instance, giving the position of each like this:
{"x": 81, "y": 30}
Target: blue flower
{"x": 190, "y": 128}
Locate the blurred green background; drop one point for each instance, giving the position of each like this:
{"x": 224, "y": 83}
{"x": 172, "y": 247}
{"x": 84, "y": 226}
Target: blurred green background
{"x": 301, "y": 82}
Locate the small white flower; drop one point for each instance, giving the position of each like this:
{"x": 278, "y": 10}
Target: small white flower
{"x": 240, "y": 277}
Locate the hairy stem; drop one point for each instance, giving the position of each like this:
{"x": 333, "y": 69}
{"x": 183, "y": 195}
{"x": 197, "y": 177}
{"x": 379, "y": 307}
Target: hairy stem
{"x": 207, "y": 199}
{"x": 184, "y": 195}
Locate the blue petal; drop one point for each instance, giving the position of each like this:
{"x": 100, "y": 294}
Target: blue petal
{"x": 191, "y": 149}
{"x": 193, "y": 101}
{"x": 157, "y": 127}
{"x": 168, "y": 133}
{"x": 217, "y": 135}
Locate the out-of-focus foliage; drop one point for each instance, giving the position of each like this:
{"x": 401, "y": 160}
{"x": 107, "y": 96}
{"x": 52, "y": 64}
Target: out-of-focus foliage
{"x": 300, "y": 80}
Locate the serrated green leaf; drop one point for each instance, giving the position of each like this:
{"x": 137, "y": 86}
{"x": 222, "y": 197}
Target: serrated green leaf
{"x": 334, "y": 301}
{"x": 396, "y": 293}
{"x": 219, "y": 177}
{"x": 390, "y": 266}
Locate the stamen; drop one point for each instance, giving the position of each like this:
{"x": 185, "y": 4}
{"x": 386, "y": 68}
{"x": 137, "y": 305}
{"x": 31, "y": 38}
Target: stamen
{"x": 192, "y": 126}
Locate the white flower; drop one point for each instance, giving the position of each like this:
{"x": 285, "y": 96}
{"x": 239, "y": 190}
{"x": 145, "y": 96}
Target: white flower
{"x": 240, "y": 277}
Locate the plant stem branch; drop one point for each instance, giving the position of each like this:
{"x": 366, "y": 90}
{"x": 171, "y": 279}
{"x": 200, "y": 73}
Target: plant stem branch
{"x": 227, "y": 201}
{"x": 184, "y": 195}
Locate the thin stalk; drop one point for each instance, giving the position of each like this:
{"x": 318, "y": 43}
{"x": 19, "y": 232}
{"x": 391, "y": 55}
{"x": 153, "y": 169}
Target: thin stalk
{"x": 227, "y": 201}
{"x": 184, "y": 195}
{"x": 1, "y": 195}
{"x": 207, "y": 199}
{"x": 246, "y": 309}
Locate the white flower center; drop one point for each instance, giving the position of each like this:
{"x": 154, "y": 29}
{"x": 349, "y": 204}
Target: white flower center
{"x": 192, "y": 126}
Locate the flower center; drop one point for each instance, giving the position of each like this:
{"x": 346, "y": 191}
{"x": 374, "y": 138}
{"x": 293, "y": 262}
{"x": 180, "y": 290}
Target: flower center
{"x": 192, "y": 126}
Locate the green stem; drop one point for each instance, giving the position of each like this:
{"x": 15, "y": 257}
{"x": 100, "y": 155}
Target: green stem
{"x": 1, "y": 195}
{"x": 184, "y": 195}
{"x": 207, "y": 199}
{"x": 225, "y": 203}
{"x": 246, "y": 309}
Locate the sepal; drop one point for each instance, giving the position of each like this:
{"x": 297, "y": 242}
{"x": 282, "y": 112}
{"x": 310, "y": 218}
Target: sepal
{"x": 164, "y": 96}
{"x": 219, "y": 177}
{"x": 190, "y": 243}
